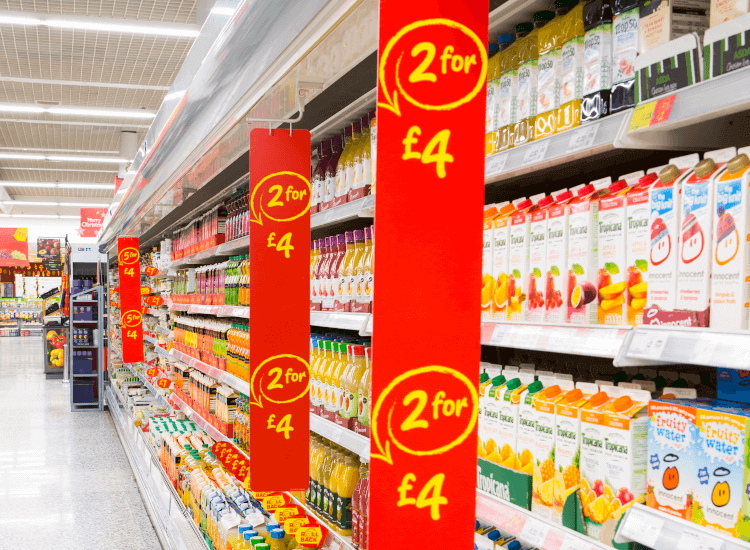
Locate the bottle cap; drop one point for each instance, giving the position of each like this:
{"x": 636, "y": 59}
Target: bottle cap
{"x": 365, "y": 122}
{"x": 535, "y": 386}
{"x": 357, "y": 127}
{"x": 564, "y": 196}
{"x": 574, "y": 395}
{"x": 483, "y": 377}
{"x": 277, "y": 533}
{"x": 348, "y": 131}
{"x": 544, "y": 15}
{"x": 598, "y": 399}
{"x": 618, "y": 186}
{"x": 546, "y": 201}
{"x": 524, "y": 205}
{"x": 738, "y": 163}
{"x": 358, "y": 350}
{"x": 498, "y": 380}
{"x": 514, "y": 545}
{"x": 493, "y": 535}
{"x": 493, "y": 48}
{"x": 622, "y": 404}
{"x": 505, "y": 38}
{"x": 566, "y": 4}
{"x": 524, "y": 28}
{"x": 586, "y": 190}
{"x": 669, "y": 173}
{"x": 513, "y": 384}
{"x": 552, "y": 392}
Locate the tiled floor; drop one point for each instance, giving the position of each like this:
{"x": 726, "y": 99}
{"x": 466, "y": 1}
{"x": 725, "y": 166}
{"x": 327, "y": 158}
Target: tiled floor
{"x": 64, "y": 480}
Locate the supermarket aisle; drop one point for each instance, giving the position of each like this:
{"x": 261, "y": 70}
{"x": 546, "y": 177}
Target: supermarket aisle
{"x": 65, "y": 482}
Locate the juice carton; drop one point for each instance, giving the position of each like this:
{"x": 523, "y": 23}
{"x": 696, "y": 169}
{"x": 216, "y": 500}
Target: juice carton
{"x": 729, "y": 265}
{"x": 542, "y": 483}
{"x": 612, "y": 257}
{"x": 583, "y": 231}
{"x": 568, "y": 444}
{"x": 526, "y": 438}
{"x": 491, "y": 417}
{"x": 488, "y": 281}
{"x": 538, "y": 260}
{"x": 625, "y": 448}
{"x": 508, "y": 407}
{"x": 724, "y": 10}
{"x": 672, "y": 436}
{"x": 694, "y": 261}
{"x": 484, "y": 380}
{"x": 665, "y": 203}
{"x": 638, "y": 243}
{"x": 665, "y": 20}
{"x": 592, "y": 463}
{"x": 501, "y": 260}
{"x": 555, "y": 286}
{"x": 518, "y": 264}
{"x": 719, "y": 497}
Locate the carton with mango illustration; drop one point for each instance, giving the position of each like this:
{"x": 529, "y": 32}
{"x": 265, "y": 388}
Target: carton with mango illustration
{"x": 638, "y": 247}
{"x": 501, "y": 260}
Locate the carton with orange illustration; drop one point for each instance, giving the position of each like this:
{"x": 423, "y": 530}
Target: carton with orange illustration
{"x": 568, "y": 445}
{"x": 526, "y": 439}
{"x": 542, "y": 499}
{"x": 672, "y": 442}
{"x": 518, "y": 268}
{"x": 638, "y": 246}
{"x": 488, "y": 281}
{"x": 612, "y": 257}
{"x": 501, "y": 259}
{"x": 625, "y": 431}
{"x": 493, "y": 392}
{"x": 507, "y": 421}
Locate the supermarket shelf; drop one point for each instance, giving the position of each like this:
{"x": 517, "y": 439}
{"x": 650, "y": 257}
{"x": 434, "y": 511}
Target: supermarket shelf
{"x": 563, "y": 148}
{"x": 203, "y": 310}
{"x": 159, "y": 397}
{"x": 199, "y": 258}
{"x": 76, "y": 346}
{"x": 215, "y": 434}
{"x": 169, "y": 518}
{"x": 242, "y": 312}
{"x": 179, "y": 307}
{"x": 237, "y": 246}
{"x": 593, "y": 341}
{"x": 361, "y": 208}
{"x": 333, "y": 540}
{"x": 703, "y": 116}
{"x": 222, "y": 376}
{"x": 341, "y": 436}
{"x": 160, "y": 350}
{"x": 661, "y": 531}
{"x": 649, "y": 345}
{"x": 504, "y": 18}
{"x": 332, "y": 319}
{"x": 531, "y": 529}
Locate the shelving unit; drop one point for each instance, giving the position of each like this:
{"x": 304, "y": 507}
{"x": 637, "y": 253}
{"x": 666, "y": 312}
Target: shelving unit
{"x": 97, "y": 328}
{"x": 220, "y": 375}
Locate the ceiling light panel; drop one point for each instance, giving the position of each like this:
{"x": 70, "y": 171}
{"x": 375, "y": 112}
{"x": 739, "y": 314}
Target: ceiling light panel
{"x": 164, "y": 10}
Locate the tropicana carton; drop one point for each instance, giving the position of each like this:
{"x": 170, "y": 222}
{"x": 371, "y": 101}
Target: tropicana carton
{"x": 501, "y": 259}
{"x": 488, "y": 433}
{"x": 730, "y": 295}
{"x": 568, "y": 444}
{"x": 518, "y": 268}
{"x": 542, "y": 483}
{"x": 536, "y": 295}
{"x": 526, "y": 439}
{"x": 638, "y": 243}
{"x": 583, "y": 232}
{"x": 555, "y": 286}
{"x": 508, "y": 408}
{"x": 488, "y": 281}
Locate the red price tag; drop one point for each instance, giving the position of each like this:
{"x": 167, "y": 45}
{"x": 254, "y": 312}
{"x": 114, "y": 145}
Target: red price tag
{"x": 164, "y": 382}
{"x": 153, "y": 371}
{"x": 151, "y": 271}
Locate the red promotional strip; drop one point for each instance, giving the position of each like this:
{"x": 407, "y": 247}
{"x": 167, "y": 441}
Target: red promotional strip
{"x": 431, "y": 101}
{"x": 128, "y": 260}
{"x": 279, "y": 309}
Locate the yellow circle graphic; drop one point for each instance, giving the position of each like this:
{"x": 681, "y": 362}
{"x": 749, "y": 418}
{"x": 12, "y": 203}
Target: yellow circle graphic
{"x": 262, "y": 393}
{"x": 256, "y": 216}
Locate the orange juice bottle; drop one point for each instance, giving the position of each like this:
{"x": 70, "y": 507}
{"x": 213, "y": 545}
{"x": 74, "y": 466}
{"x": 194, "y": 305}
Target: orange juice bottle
{"x": 365, "y": 281}
{"x": 348, "y": 477}
{"x": 327, "y": 480}
{"x": 337, "y": 370}
{"x": 360, "y": 304}
{"x": 351, "y": 382}
{"x": 325, "y": 377}
{"x": 350, "y": 150}
{"x": 342, "y": 297}
{"x": 359, "y": 250}
{"x": 313, "y": 261}
{"x": 363, "y": 391}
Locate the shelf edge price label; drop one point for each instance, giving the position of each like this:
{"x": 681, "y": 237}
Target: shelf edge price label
{"x": 279, "y": 199}
{"x": 431, "y": 102}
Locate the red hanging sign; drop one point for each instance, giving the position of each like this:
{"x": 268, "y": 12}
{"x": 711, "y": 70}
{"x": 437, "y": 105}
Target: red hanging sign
{"x": 232, "y": 459}
{"x": 14, "y": 247}
{"x": 150, "y": 271}
{"x": 128, "y": 259}
{"x": 431, "y": 102}
{"x": 279, "y": 234}
{"x": 91, "y": 221}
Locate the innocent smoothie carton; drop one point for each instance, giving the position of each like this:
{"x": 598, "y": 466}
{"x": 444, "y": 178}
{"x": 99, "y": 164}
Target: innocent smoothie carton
{"x": 730, "y": 296}
{"x": 536, "y": 295}
{"x": 491, "y": 413}
{"x": 583, "y": 231}
{"x": 568, "y": 444}
{"x": 720, "y": 458}
{"x": 509, "y": 401}
{"x": 501, "y": 259}
{"x": 672, "y": 438}
{"x": 557, "y": 253}
{"x": 488, "y": 281}
{"x": 526, "y": 439}
{"x": 518, "y": 268}
{"x": 638, "y": 244}
{"x": 592, "y": 463}
{"x": 542, "y": 483}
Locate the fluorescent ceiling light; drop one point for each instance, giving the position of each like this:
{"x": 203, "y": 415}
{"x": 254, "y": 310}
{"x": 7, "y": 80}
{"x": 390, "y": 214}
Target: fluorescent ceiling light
{"x": 21, "y": 156}
{"x": 32, "y": 203}
{"x": 86, "y": 204}
{"x": 223, "y": 11}
{"x": 135, "y": 113}
{"x": 135, "y": 29}
{"x": 85, "y": 185}
{"x": 46, "y": 203}
{"x": 26, "y": 184}
{"x": 69, "y": 217}
{"x": 32, "y": 216}
{"x": 59, "y": 150}
{"x": 100, "y": 24}
{"x": 11, "y": 20}
{"x": 63, "y": 158}
{"x": 174, "y": 95}
{"x": 21, "y": 108}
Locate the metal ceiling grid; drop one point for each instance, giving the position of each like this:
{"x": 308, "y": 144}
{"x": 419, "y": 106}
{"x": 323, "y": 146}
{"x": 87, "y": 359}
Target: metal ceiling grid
{"x": 173, "y": 11}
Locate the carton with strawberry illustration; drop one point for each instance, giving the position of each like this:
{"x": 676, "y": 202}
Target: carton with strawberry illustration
{"x": 555, "y": 286}
{"x": 501, "y": 260}
{"x": 537, "y": 284}
{"x": 568, "y": 444}
{"x": 730, "y": 295}
{"x": 583, "y": 232}
{"x": 672, "y": 442}
{"x": 638, "y": 246}
{"x": 542, "y": 484}
{"x": 592, "y": 463}
{"x": 518, "y": 264}
{"x": 488, "y": 281}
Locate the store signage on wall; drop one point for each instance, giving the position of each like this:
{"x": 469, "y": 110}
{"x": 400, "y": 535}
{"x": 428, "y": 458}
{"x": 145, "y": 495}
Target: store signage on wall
{"x": 48, "y": 249}
{"x": 279, "y": 343}
{"x": 91, "y": 221}
{"x": 131, "y": 318}
{"x": 430, "y": 120}
{"x": 14, "y": 247}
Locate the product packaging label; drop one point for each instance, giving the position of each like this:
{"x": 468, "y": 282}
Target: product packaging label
{"x": 556, "y": 277}
{"x": 528, "y": 74}
{"x": 639, "y": 246}
{"x": 694, "y": 262}
{"x": 662, "y": 285}
{"x": 536, "y": 294}
{"x": 612, "y": 261}
{"x": 518, "y": 268}
{"x": 508, "y": 98}
{"x": 501, "y": 261}
{"x": 625, "y": 45}
{"x": 583, "y": 230}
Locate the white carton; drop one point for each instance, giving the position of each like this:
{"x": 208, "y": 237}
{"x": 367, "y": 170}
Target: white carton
{"x": 536, "y": 294}
{"x": 526, "y": 439}
{"x": 612, "y": 258}
{"x": 488, "y": 281}
{"x": 730, "y": 294}
{"x": 518, "y": 268}
{"x": 555, "y": 285}
{"x": 501, "y": 260}
{"x": 639, "y": 245}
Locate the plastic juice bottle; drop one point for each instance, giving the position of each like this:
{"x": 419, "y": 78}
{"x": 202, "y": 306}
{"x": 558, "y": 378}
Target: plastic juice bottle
{"x": 277, "y": 540}
{"x": 357, "y": 502}
{"x": 336, "y": 264}
{"x": 322, "y": 391}
{"x": 350, "y": 152}
{"x": 342, "y": 298}
{"x": 330, "y": 483}
{"x": 368, "y": 269}
{"x": 325, "y": 465}
{"x": 528, "y": 75}
{"x": 493, "y": 80}
{"x": 571, "y": 75}
{"x": 359, "y": 275}
{"x": 332, "y": 170}
{"x": 488, "y": 281}
{"x": 330, "y": 368}
{"x": 373, "y": 150}
{"x": 508, "y": 100}
{"x": 351, "y": 278}
{"x": 345, "y": 166}
{"x": 550, "y": 43}
{"x": 361, "y": 179}
{"x": 625, "y": 38}
{"x": 351, "y": 382}
{"x": 328, "y": 269}
{"x": 336, "y": 377}
{"x": 536, "y": 293}
{"x": 319, "y": 175}
{"x": 363, "y": 391}
{"x": 348, "y": 480}
{"x": 597, "y": 73}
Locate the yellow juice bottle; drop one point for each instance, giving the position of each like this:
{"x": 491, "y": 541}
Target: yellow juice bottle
{"x": 344, "y": 374}
{"x": 361, "y": 182}
{"x": 363, "y": 392}
{"x": 528, "y": 80}
{"x": 340, "y": 190}
{"x": 328, "y": 481}
{"x": 324, "y": 463}
{"x": 571, "y": 78}
{"x": 349, "y": 273}
{"x": 348, "y": 478}
{"x": 322, "y": 366}
{"x": 348, "y": 156}
{"x": 367, "y": 287}
{"x": 352, "y": 379}
{"x": 550, "y": 42}
{"x": 327, "y": 382}
{"x": 508, "y": 100}
{"x": 342, "y": 297}
{"x": 360, "y": 303}
{"x": 493, "y": 85}
{"x": 336, "y": 376}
